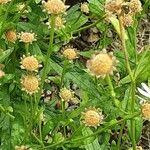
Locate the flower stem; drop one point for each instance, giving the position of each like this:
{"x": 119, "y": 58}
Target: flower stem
{"x": 133, "y": 84}
{"x": 27, "y": 48}
{"x": 46, "y": 64}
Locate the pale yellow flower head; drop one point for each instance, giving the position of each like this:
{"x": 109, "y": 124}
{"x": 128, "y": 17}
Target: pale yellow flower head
{"x": 70, "y": 53}
{"x": 27, "y": 37}
{"x": 127, "y": 20}
{"x": 29, "y": 63}
{"x": 22, "y": 147}
{"x": 11, "y": 36}
{"x": 146, "y": 111}
{"x": 30, "y": 84}
{"x": 92, "y": 117}
{"x": 4, "y": 1}
{"x": 54, "y": 7}
{"x": 102, "y": 64}
{"x": 66, "y": 94}
{"x": 85, "y": 7}
{"x": 135, "y": 6}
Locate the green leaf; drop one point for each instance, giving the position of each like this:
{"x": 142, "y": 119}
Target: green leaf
{"x": 5, "y": 54}
{"x": 89, "y": 143}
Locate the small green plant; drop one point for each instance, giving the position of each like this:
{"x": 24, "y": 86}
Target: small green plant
{"x": 70, "y": 75}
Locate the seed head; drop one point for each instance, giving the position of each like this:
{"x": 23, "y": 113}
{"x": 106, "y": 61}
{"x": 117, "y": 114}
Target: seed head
{"x": 27, "y": 37}
{"x": 135, "y": 6}
{"x": 66, "y": 94}
{"x": 113, "y": 6}
{"x": 54, "y": 7}
{"x": 70, "y": 53}
{"x": 11, "y": 36}
{"x": 85, "y": 8}
{"x": 92, "y": 117}
{"x": 4, "y": 1}
{"x": 127, "y": 20}
{"x": 137, "y": 148}
{"x": 30, "y": 84}
{"x": 29, "y": 63}
{"x": 146, "y": 111}
{"x": 102, "y": 64}
{"x": 2, "y": 74}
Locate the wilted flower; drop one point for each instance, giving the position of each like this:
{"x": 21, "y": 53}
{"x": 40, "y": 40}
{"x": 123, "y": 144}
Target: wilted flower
{"x": 93, "y": 37}
{"x": 92, "y": 117}
{"x": 113, "y": 6}
{"x": 11, "y": 36}
{"x": 54, "y": 7}
{"x": 30, "y": 84}
{"x": 29, "y": 63}
{"x": 2, "y": 74}
{"x": 146, "y": 111}
{"x": 102, "y": 64}
{"x": 70, "y": 53}
{"x": 27, "y": 37}
{"x": 135, "y": 6}
{"x": 127, "y": 20}
{"x": 66, "y": 94}
{"x": 4, "y": 1}
{"x": 85, "y": 8}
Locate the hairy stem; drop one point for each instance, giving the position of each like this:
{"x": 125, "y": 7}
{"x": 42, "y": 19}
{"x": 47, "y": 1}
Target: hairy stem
{"x": 133, "y": 85}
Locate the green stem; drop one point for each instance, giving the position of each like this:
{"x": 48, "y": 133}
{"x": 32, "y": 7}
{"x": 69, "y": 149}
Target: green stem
{"x": 113, "y": 94}
{"x": 46, "y": 65}
{"x": 63, "y": 115}
{"x": 108, "y": 126}
{"x": 120, "y": 136}
{"x": 27, "y": 48}
{"x": 89, "y": 26}
{"x": 133, "y": 85}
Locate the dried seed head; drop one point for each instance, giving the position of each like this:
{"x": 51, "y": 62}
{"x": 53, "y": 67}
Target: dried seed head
{"x": 66, "y": 94}
{"x": 70, "y": 53}
{"x": 27, "y": 37}
{"x": 102, "y": 64}
{"x": 92, "y": 117}
{"x": 29, "y": 63}
{"x": 2, "y": 74}
{"x": 30, "y": 84}
{"x": 85, "y": 7}
{"x": 113, "y": 6}
{"x": 54, "y": 7}
{"x": 127, "y": 20}
{"x": 146, "y": 111}
{"x": 93, "y": 37}
{"x": 11, "y": 36}
{"x": 135, "y": 6}
{"x": 4, "y": 1}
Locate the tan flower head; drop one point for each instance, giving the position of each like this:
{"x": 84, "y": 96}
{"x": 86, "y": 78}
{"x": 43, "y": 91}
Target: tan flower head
{"x": 92, "y": 117}
{"x": 29, "y": 63}
{"x": 102, "y": 64}
{"x": 30, "y": 84}
{"x": 135, "y": 6}
{"x": 54, "y": 6}
{"x": 70, "y": 53}
{"x": 66, "y": 94}
{"x": 127, "y": 20}
{"x": 2, "y": 74}
{"x": 11, "y": 36}
{"x": 113, "y": 6}
{"x": 4, "y": 1}
{"x": 85, "y": 7}
{"x": 27, "y": 37}
{"x": 146, "y": 111}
